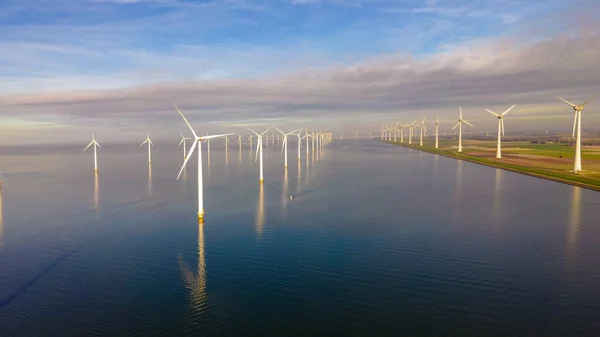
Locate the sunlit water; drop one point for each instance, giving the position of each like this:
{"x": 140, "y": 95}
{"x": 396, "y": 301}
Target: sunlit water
{"x": 378, "y": 240}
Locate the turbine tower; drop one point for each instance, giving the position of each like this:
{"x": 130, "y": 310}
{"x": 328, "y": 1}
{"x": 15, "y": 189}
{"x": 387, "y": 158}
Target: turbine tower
{"x": 421, "y": 129}
{"x": 95, "y": 155}
{"x": 500, "y": 128}
{"x": 149, "y": 147}
{"x": 183, "y": 138}
{"x": 259, "y": 150}
{"x": 459, "y": 124}
{"x": 577, "y": 125}
{"x": 437, "y": 124}
{"x": 197, "y": 140}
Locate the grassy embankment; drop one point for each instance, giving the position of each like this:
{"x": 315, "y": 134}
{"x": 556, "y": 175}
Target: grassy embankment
{"x": 546, "y": 161}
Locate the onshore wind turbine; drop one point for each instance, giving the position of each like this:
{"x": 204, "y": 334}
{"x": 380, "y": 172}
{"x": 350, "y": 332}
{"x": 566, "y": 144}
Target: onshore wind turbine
{"x": 149, "y": 146}
{"x": 196, "y": 141}
{"x": 459, "y": 124}
{"x": 183, "y": 138}
{"x": 259, "y": 149}
{"x": 95, "y": 155}
{"x": 500, "y": 128}
{"x": 410, "y": 132}
{"x": 577, "y": 124}
{"x": 437, "y": 124}
{"x": 285, "y": 147}
{"x": 421, "y": 129}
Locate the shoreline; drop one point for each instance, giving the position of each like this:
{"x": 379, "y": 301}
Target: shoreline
{"x": 540, "y": 173}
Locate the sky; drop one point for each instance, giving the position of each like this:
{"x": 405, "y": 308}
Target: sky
{"x": 114, "y": 67}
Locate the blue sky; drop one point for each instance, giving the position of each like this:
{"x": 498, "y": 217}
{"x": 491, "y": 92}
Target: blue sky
{"x": 102, "y": 49}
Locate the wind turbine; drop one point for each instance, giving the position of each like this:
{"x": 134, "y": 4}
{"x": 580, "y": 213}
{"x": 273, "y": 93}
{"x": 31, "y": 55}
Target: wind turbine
{"x": 421, "y": 129}
{"x": 284, "y": 146}
{"x": 196, "y": 141}
{"x": 226, "y": 144}
{"x": 149, "y": 147}
{"x": 577, "y": 124}
{"x": 437, "y": 124}
{"x": 459, "y": 124}
{"x": 95, "y": 155}
{"x": 259, "y": 149}
{"x": 183, "y": 138}
{"x": 410, "y": 132}
{"x": 500, "y": 127}
{"x": 299, "y": 142}
{"x": 240, "y": 140}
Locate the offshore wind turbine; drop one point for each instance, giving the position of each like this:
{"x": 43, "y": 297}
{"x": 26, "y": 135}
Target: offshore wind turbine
{"x": 197, "y": 140}
{"x": 240, "y": 140}
{"x": 183, "y": 138}
{"x": 149, "y": 147}
{"x": 299, "y": 142}
{"x": 500, "y": 128}
{"x": 95, "y": 155}
{"x": 284, "y": 147}
{"x": 578, "y": 109}
{"x": 421, "y": 129}
{"x": 259, "y": 150}
{"x": 459, "y": 124}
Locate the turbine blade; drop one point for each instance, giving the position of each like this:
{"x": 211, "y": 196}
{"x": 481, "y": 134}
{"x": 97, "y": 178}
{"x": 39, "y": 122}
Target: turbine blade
{"x": 266, "y": 131}
{"x": 493, "y": 113}
{"x": 90, "y": 144}
{"x": 591, "y": 99}
{"x": 216, "y": 136}
{"x": 186, "y": 121}
{"x": 258, "y": 148}
{"x": 455, "y": 125}
{"x": 256, "y": 133}
{"x": 507, "y": 110}
{"x": 468, "y": 123}
{"x": 97, "y": 144}
{"x": 144, "y": 142}
{"x": 424, "y": 118}
{"x": 272, "y": 126}
{"x": 564, "y": 100}
{"x": 181, "y": 142}
{"x": 188, "y": 158}
{"x": 460, "y": 111}
{"x": 574, "y": 123}
{"x": 150, "y": 142}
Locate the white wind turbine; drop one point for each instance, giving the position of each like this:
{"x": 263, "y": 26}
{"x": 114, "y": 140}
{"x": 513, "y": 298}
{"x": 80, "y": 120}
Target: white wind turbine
{"x": 299, "y": 142}
{"x": 410, "y": 132}
{"x": 437, "y": 124}
{"x": 196, "y": 141}
{"x": 459, "y": 124}
{"x": 240, "y": 140}
{"x": 500, "y": 127}
{"x": 284, "y": 147}
{"x": 183, "y": 139}
{"x": 149, "y": 147}
{"x": 95, "y": 155}
{"x": 259, "y": 149}
{"x": 421, "y": 129}
{"x": 577, "y": 125}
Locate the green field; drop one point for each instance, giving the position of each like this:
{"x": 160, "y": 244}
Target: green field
{"x": 552, "y": 161}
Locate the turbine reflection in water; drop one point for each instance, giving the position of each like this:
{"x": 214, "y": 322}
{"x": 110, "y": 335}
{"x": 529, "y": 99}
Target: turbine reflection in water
{"x": 96, "y": 191}
{"x": 573, "y": 224}
{"x": 260, "y": 211}
{"x": 196, "y": 285}
{"x": 1, "y": 217}
{"x": 149, "y": 180}
{"x": 458, "y": 189}
{"x": 497, "y": 194}
{"x": 286, "y": 192}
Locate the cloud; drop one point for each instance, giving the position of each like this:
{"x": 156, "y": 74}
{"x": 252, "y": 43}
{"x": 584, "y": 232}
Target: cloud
{"x": 492, "y": 73}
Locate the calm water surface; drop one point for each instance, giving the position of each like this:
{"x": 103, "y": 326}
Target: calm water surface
{"x": 378, "y": 240}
